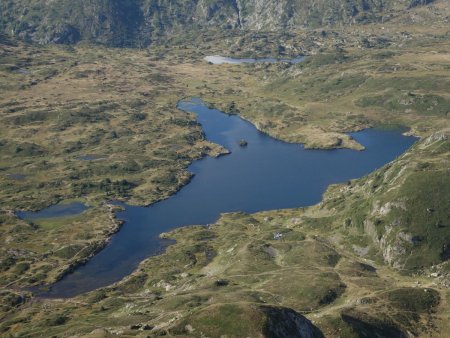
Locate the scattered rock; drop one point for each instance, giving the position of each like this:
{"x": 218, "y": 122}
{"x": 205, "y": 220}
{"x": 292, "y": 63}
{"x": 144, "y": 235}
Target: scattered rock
{"x": 221, "y": 282}
{"x": 277, "y": 236}
{"x": 147, "y": 327}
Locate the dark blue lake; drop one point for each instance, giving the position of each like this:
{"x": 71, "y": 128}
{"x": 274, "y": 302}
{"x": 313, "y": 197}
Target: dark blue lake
{"x": 267, "y": 174}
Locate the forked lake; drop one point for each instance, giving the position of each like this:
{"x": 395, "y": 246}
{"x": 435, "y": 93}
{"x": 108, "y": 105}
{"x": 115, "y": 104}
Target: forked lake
{"x": 264, "y": 174}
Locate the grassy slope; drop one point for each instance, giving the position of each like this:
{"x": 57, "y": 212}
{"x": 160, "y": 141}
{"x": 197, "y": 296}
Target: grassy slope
{"x": 236, "y": 267}
{"x": 323, "y": 265}
{"x": 72, "y": 103}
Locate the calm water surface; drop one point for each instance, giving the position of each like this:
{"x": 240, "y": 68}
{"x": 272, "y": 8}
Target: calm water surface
{"x": 58, "y": 210}
{"x": 219, "y": 60}
{"x": 267, "y": 174}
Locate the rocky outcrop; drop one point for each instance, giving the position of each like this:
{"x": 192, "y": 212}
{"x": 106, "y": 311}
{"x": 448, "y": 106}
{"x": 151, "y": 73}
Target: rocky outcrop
{"x": 248, "y": 319}
{"x": 407, "y": 216}
{"x": 286, "y": 323}
{"x": 140, "y": 22}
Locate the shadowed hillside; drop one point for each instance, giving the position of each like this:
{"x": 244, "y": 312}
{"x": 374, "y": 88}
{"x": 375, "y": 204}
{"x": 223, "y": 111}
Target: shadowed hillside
{"x": 140, "y": 22}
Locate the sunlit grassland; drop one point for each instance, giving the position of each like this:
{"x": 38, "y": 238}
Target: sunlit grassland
{"x": 332, "y": 264}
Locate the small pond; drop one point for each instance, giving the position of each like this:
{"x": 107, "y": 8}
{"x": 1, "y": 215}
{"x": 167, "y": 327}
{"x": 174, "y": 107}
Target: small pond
{"x": 57, "y": 210}
{"x": 219, "y": 60}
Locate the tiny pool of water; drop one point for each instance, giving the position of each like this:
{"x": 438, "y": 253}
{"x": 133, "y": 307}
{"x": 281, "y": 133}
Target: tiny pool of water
{"x": 91, "y": 157}
{"x": 16, "y": 177}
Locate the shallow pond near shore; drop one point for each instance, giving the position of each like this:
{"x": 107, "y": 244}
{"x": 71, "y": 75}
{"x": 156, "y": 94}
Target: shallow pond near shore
{"x": 58, "y": 210}
{"x": 267, "y": 174}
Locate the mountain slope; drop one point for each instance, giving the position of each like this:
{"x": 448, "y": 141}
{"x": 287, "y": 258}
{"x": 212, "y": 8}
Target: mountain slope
{"x": 139, "y": 22}
{"x": 402, "y": 209}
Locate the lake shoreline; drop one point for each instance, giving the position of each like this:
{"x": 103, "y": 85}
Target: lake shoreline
{"x": 204, "y": 160}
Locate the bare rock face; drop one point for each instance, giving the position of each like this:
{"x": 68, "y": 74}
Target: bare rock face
{"x": 139, "y": 22}
{"x": 66, "y": 34}
{"x": 286, "y": 323}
